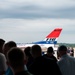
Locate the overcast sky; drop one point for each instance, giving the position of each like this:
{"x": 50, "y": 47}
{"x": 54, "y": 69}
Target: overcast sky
{"x": 32, "y": 20}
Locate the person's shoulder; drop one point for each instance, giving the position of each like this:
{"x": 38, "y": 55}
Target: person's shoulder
{"x": 28, "y": 73}
{"x": 24, "y": 73}
{"x": 72, "y": 58}
{"x": 51, "y": 60}
{"x": 8, "y": 71}
{"x": 2, "y": 55}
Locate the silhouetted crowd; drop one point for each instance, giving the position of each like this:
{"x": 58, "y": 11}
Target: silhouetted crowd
{"x": 30, "y": 61}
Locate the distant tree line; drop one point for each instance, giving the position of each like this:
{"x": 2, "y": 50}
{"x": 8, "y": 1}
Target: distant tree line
{"x": 67, "y": 44}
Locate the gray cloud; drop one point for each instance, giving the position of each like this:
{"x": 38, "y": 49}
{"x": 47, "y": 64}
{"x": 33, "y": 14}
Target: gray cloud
{"x": 63, "y": 9}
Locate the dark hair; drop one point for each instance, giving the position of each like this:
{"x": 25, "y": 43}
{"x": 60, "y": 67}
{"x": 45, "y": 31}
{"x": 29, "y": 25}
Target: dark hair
{"x": 11, "y": 44}
{"x": 36, "y": 49}
{"x": 50, "y": 50}
{"x": 27, "y": 51}
{"x": 2, "y": 41}
{"x": 62, "y": 48}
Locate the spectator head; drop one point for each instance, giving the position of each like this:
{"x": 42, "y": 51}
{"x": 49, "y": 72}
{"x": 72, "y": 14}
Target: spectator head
{"x": 2, "y": 41}
{"x": 36, "y": 51}
{"x": 8, "y": 45}
{"x": 50, "y": 50}
{"x": 15, "y": 58}
{"x": 27, "y": 51}
{"x": 62, "y": 50}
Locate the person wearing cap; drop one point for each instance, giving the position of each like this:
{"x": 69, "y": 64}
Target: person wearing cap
{"x": 66, "y": 62}
{"x": 50, "y": 54}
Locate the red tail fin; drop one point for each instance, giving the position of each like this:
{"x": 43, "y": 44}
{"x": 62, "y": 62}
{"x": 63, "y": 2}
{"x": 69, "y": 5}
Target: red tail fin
{"x": 55, "y": 33}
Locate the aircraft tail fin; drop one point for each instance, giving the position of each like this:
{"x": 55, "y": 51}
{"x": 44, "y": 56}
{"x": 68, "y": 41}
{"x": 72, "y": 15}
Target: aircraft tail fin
{"x": 55, "y": 33}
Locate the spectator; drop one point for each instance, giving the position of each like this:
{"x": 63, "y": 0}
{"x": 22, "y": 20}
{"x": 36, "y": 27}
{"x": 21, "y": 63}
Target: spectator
{"x": 3, "y": 66}
{"x": 7, "y": 46}
{"x": 50, "y": 54}
{"x": 58, "y": 55}
{"x": 71, "y": 52}
{"x": 42, "y": 65}
{"x": 68, "y": 50}
{"x": 16, "y": 60}
{"x": 66, "y": 62}
{"x": 2, "y": 41}
{"x": 29, "y": 57}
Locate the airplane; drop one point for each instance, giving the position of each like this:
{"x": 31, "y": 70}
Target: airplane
{"x": 50, "y": 40}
